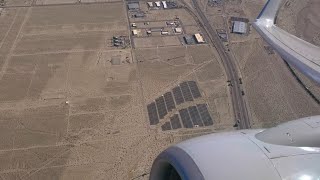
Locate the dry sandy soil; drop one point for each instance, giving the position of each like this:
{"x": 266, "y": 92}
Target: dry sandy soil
{"x": 67, "y": 113}
{"x": 301, "y": 18}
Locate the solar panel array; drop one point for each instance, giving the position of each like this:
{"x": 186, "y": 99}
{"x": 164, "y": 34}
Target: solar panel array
{"x": 175, "y": 122}
{"x": 194, "y": 89}
{"x": 191, "y": 117}
{"x": 186, "y": 91}
{"x": 153, "y": 115}
{"x": 178, "y": 95}
{"x": 169, "y": 101}
{"x": 166, "y": 126}
{"x": 162, "y": 110}
{"x": 185, "y": 117}
{"x": 195, "y": 116}
{"x": 205, "y": 115}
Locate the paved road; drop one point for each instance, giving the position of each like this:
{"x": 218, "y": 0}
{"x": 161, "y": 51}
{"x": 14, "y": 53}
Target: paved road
{"x": 239, "y": 106}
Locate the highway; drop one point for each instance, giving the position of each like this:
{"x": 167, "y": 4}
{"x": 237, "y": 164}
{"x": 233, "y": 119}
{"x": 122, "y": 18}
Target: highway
{"x": 238, "y": 103}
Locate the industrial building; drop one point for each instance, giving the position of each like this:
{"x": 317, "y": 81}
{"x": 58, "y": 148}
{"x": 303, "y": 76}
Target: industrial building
{"x": 199, "y": 38}
{"x": 178, "y": 30}
{"x": 158, "y": 3}
{"x": 156, "y": 29}
{"x": 239, "y": 27}
{"x": 150, "y": 4}
{"x": 139, "y": 15}
{"x": 133, "y": 6}
{"x": 164, "y": 33}
{"x": 135, "y": 32}
{"x": 164, "y": 3}
{"x": 189, "y": 39}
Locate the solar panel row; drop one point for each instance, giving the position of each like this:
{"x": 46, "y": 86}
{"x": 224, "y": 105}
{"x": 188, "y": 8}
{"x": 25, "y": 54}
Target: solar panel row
{"x": 205, "y": 115}
{"x": 194, "y": 89}
{"x": 162, "y": 110}
{"x": 152, "y": 112}
{"x": 169, "y": 101}
{"x": 195, "y": 116}
{"x": 186, "y": 121}
{"x": 166, "y": 126}
{"x": 175, "y": 121}
{"x": 186, "y": 91}
{"x": 178, "y": 95}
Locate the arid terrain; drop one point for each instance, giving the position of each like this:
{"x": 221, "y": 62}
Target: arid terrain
{"x": 73, "y": 102}
{"x": 74, "y": 106}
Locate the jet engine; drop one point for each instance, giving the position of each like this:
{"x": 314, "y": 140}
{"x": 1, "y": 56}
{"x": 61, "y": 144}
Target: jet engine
{"x": 289, "y": 151}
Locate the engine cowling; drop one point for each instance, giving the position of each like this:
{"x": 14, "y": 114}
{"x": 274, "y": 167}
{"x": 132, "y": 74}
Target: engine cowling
{"x": 287, "y": 151}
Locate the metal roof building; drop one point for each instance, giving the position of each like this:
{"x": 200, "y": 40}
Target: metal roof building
{"x": 189, "y": 39}
{"x": 135, "y": 32}
{"x": 133, "y": 6}
{"x": 239, "y": 27}
{"x": 158, "y": 3}
{"x": 199, "y": 38}
{"x": 178, "y": 30}
{"x": 150, "y": 4}
{"x": 164, "y": 3}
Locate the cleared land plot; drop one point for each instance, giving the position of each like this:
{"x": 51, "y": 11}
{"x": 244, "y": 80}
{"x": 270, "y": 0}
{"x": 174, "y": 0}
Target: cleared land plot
{"x": 217, "y": 21}
{"x": 174, "y": 55}
{"x": 54, "y": 43}
{"x": 201, "y": 53}
{"x": 6, "y": 20}
{"x": 18, "y": 2}
{"x": 14, "y": 86}
{"x": 163, "y": 15}
{"x": 156, "y": 76}
{"x": 93, "y": 1}
{"x": 48, "y": 2}
{"x": 92, "y": 17}
{"x": 11, "y": 34}
{"x": 156, "y": 41}
{"x": 210, "y": 71}
{"x": 93, "y": 13}
{"x": 192, "y": 29}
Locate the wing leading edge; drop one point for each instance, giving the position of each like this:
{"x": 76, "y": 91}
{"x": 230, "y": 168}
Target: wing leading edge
{"x": 297, "y": 52}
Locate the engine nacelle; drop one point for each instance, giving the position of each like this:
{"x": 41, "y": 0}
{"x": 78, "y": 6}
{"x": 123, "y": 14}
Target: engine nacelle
{"x": 287, "y": 151}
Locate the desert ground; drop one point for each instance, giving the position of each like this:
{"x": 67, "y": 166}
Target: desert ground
{"x": 73, "y": 106}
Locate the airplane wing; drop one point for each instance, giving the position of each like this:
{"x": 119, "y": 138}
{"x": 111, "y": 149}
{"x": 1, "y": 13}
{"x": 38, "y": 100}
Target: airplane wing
{"x": 297, "y": 52}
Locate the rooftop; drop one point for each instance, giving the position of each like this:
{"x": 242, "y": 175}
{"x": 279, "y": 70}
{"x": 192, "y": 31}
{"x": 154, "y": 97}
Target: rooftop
{"x": 239, "y": 27}
{"x": 133, "y": 6}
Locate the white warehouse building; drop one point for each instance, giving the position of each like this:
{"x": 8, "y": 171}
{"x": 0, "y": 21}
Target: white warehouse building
{"x": 164, "y": 3}
{"x": 239, "y": 27}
